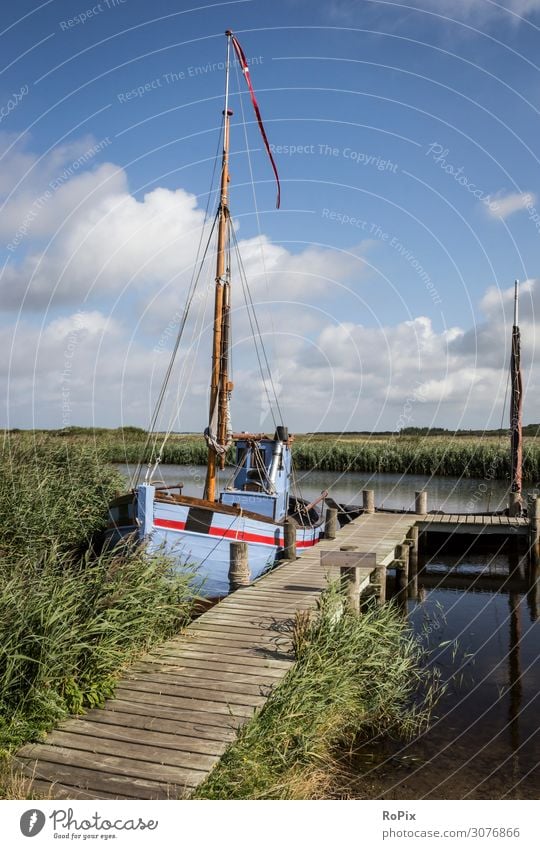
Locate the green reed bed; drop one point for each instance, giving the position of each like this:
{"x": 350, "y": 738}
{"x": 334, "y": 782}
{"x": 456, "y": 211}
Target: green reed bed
{"x": 354, "y": 679}
{"x": 68, "y": 627}
{"x": 71, "y": 618}
{"x": 486, "y": 457}
{"x": 52, "y": 492}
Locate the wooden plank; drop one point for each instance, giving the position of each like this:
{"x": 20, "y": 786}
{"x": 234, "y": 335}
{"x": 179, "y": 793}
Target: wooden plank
{"x": 215, "y": 666}
{"x": 201, "y": 718}
{"x": 240, "y": 659}
{"x": 208, "y": 733}
{"x": 362, "y": 559}
{"x": 237, "y": 652}
{"x": 164, "y": 755}
{"x": 132, "y": 731}
{"x": 178, "y": 690}
{"x": 95, "y": 781}
{"x": 54, "y": 790}
{"x": 204, "y": 684}
{"x": 203, "y": 672}
{"x": 173, "y": 775}
{"x": 201, "y": 705}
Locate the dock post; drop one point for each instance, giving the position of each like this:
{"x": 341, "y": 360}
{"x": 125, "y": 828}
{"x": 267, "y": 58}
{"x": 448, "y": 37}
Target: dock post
{"x": 420, "y": 502}
{"x": 533, "y": 513}
{"x": 289, "y": 528}
{"x": 380, "y": 580}
{"x": 330, "y": 524}
{"x": 350, "y": 582}
{"x": 239, "y": 574}
{"x": 402, "y": 575}
{"x": 368, "y": 499}
{"x": 402, "y": 566}
{"x": 412, "y": 540}
{"x": 514, "y": 504}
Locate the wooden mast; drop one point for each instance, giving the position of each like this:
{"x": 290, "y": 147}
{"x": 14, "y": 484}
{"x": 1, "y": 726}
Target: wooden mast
{"x": 218, "y": 400}
{"x": 515, "y": 413}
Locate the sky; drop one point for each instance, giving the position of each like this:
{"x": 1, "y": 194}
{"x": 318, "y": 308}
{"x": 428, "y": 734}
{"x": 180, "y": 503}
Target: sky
{"x": 406, "y": 139}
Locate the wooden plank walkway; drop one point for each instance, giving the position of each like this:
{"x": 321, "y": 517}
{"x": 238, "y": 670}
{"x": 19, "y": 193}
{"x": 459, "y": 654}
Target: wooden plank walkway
{"x": 180, "y": 706}
{"x": 468, "y": 523}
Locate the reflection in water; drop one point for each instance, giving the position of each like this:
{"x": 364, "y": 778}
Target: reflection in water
{"x": 514, "y": 680}
{"x": 484, "y": 741}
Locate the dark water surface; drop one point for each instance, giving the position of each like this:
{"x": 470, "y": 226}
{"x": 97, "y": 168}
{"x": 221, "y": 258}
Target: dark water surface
{"x": 484, "y": 739}
{"x": 394, "y": 491}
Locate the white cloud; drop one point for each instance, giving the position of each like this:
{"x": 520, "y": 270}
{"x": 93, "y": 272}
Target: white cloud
{"x": 479, "y": 11}
{"x": 118, "y": 255}
{"x": 502, "y": 206}
{"x": 87, "y": 367}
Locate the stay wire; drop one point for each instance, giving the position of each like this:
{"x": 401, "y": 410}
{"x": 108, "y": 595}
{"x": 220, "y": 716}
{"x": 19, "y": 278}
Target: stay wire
{"x": 161, "y": 396}
{"x": 197, "y": 269}
{"x": 254, "y": 322}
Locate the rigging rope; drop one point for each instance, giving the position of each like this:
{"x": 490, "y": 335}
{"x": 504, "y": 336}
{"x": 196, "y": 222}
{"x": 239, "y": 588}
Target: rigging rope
{"x": 256, "y": 208}
{"x": 256, "y": 332}
{"x": 191, "y": 292}
{"x": 161, "y": 396}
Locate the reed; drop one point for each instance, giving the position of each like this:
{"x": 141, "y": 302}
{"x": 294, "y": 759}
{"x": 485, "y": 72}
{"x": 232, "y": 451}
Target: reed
{"x": 486, "y": 456}
{"x": 68, "y": 627}
{"x": 71, "y": 618}
{"x": 355, "y": 678}
{"x": 52, "y": 493}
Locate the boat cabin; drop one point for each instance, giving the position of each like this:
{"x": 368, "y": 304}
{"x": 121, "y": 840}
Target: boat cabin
{"x": 263, "y": 471}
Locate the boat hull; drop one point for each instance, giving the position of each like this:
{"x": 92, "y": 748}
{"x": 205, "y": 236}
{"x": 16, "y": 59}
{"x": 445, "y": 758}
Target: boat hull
{"x": 198, "y": 538}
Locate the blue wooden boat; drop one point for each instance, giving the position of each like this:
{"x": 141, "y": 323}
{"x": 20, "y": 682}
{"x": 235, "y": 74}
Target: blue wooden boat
{"x": 253, "y": 509}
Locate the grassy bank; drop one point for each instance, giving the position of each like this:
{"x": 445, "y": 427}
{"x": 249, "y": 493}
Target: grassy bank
{"x": 71, "y": 618}
{"x": 448, "y": 455}
{"x": 354, "y": 679}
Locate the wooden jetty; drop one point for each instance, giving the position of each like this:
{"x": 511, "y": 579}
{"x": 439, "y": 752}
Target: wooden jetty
{"x": 470, "y": 523}
{"x": 178, "y": 708}
{"x": 181, "y": 705}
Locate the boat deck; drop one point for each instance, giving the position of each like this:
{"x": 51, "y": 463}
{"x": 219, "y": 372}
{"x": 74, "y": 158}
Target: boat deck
{"x": 178, "y": 708}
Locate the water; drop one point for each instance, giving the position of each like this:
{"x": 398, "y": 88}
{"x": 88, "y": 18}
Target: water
{"x": 394, "y": 491}
{"x": 484, "y": 739}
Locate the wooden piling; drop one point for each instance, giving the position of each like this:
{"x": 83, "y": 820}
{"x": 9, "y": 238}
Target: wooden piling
{"x": 350, "y": 582}
{"x": 533, "y": 512}
{"x": 420, "y": 502}
{"x": 412, "y": 540}
{"x": 368, "y": 499}
{"x": 289, "y": 552}
{"x": 239, "y": 574}
{"x": 380, "y": 581}
{"x": 402, "y": 566}
{"x": 331, "y": 523}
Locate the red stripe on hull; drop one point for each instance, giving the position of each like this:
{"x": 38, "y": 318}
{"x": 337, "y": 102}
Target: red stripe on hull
{"x": 242, "y": 536}
{"x": 169, "y": 523}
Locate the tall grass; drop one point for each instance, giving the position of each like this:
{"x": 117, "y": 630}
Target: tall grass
{"x": 354, "y": 678}
{"x": 457, "y": 456}
{"x": 52, "y": 493}
{"x": 67, "y": 627}
{"x": 70, "y": 618}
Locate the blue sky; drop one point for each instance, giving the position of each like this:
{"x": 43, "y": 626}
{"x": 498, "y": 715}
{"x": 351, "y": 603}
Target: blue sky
{"x": 406, "y": 141}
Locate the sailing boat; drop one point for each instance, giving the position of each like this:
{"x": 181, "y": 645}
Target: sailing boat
{"x": 516, "y": 403}
{"x": 254, "y": 507}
